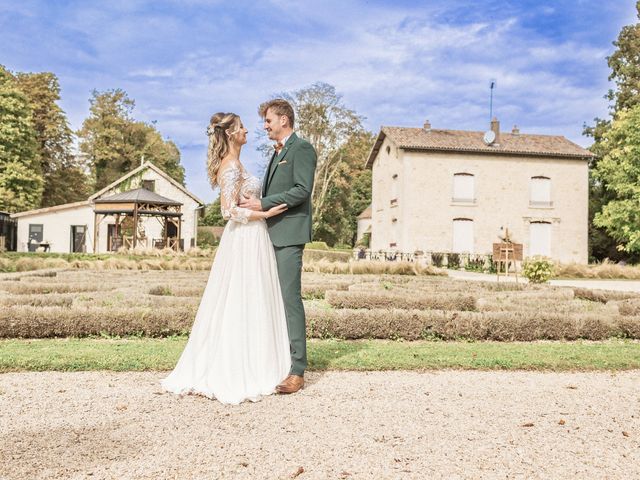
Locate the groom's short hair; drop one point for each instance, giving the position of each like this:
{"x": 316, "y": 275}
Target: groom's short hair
{"x": 279, "y": 106}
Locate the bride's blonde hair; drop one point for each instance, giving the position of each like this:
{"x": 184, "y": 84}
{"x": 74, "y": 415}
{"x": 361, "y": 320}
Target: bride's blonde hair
{"x": 218, "y": 142}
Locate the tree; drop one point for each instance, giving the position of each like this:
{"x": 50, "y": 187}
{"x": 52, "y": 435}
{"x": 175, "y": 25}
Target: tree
{"x": 102, "y": 136}
{"x": 63, "y": 173}
{"x": 619, "y": 170}
{"x": 625, "y": 72}
{"x": 213, "y": 215}
{"x": 146, "y": 141}
{"x": 114, "y": 143}
{"x": 625, "y": 67}
{"x": 20, "y": 187}
{"x": 349, "y": 193}
{"x": 20, "y": 176}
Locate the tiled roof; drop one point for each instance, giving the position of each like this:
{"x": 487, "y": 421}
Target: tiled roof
{"x": 138, "y": 195}
{"x": 55, "y": 208}
{"x": 470, "y": 141}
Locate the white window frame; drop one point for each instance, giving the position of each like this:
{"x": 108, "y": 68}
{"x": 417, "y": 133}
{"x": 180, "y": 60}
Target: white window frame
{"x": 540, "y": 192}
{"x": 464, "y": 188}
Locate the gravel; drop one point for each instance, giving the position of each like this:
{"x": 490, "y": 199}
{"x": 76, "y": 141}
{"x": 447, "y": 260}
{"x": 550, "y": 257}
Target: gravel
{"x": 343, "y": 425}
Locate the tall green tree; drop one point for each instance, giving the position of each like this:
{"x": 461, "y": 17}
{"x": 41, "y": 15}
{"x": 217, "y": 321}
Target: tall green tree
{"x": 21, "y": 182}
{"x": 625, "y": 67}
{"x": 65, "y": 178}
{"x": 349, "y": 193}
{"x": 619, "y": 170}
{"x": 103, "y": 136}
{"x": 146, "y": 142}
{"x": 625, "y": 73}
{"x": 114, "y": 143}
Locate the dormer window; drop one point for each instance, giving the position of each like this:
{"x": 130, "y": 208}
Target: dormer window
{"x": 149, "y": 185}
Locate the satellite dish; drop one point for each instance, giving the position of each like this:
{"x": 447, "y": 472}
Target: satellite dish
{"x": 489, "y": 137}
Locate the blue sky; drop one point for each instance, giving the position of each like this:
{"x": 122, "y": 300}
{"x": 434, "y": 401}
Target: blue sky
{"x": 395, "y": 62}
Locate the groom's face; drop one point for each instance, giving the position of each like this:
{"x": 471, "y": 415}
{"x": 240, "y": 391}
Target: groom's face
{"x": 274, "y": 125}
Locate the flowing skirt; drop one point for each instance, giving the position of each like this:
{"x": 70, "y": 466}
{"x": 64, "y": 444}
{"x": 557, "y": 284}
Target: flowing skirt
{"x": 239, "y": 347}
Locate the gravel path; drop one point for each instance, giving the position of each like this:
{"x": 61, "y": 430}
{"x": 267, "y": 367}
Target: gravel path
{"x": 597, "y": 284}
{"x": 344, "y": 425}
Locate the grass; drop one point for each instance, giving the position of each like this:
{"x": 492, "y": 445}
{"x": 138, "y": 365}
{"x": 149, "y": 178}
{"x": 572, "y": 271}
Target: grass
{"x": 136, "y": 354}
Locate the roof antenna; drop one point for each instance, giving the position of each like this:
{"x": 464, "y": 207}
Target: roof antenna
{"x": 493, "y": 84}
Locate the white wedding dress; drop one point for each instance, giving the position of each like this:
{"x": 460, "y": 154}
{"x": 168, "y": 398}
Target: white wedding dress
{"x": 238, "y": 348}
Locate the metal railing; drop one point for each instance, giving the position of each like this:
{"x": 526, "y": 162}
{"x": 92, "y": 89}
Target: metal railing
{"x": 470, "y": 261}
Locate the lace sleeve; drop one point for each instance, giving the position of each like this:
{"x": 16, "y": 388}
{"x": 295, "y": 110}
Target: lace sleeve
{"x": 230, "y": 181}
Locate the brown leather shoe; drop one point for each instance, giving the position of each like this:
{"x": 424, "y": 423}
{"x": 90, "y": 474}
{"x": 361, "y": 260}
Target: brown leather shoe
{"x": 291, "y": 384}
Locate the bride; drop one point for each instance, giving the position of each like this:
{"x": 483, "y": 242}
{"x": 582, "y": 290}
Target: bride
{"x": 239, "y": 347}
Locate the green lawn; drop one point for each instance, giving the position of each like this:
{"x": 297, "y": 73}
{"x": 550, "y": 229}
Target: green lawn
{"x": 161, "y": 354}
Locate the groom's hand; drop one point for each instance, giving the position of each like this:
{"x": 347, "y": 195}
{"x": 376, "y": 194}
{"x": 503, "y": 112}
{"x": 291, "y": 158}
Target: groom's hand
{"x": 250, "y": 203}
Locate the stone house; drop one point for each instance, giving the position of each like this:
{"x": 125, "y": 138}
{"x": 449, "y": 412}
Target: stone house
{"x": 458, "y": 191}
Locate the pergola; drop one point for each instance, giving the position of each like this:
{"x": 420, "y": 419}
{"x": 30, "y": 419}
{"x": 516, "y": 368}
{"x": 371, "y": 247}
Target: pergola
{"x": 138, "y": 203}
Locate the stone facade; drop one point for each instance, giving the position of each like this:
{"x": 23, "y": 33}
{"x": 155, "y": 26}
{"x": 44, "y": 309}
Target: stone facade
{"x": 414, "y": 205}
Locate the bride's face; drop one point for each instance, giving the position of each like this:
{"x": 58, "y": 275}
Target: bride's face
{"x": 238, "y": 134}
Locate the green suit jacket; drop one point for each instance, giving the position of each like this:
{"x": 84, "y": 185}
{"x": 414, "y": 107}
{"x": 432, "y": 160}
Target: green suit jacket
{"x": 289, "y": 179}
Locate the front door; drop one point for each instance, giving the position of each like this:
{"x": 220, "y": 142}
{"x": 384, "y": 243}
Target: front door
{"x": 35, "y": 236}
{"x": 78, "y": 235}
{"x": 540, "y": 239}
{"x": 462, "y": 235}
{"x": 114, "y": 239}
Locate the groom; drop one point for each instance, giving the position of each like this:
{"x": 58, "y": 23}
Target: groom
{"x": 288, "y": 179}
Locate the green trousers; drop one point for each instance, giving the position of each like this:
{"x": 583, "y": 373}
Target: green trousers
{"x": 289, "y": 260}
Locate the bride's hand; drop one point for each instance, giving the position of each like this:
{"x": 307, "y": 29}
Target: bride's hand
{"x": 277, "y": 210}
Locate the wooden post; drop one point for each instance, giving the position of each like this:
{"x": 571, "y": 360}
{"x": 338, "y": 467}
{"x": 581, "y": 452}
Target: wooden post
{"x": 95, "y": 232}
{"x": 117, "y": 225}
{"x": 179, "y": 234}
{"x": 166, "y": 232}
{"x": 135, "y": 225}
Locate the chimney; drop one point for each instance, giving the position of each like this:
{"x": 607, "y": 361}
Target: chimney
{"x": 427, "y": 125}
{"x": 515, "y": 130}
{"x": 495, "y": 127}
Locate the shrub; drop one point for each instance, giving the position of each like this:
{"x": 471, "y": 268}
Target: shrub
{"x": 317, "y": 291}
{"x": 317, "y": 246}
{"x": 417, "y": 300}
{"x": 23, "y": 288}
{"x": 497, "y": 326}
{"x": 453, "y": 260}
{"x": 629, "y": 307}
{"x": 437, "y": 258}
{"x": 537, "y": 269}
{"x": 206, "y": 238}
{"x": 313, "y": 255}
{"x": 38, "y": 300}
{"x": 160, "y": 290}
{"x": 602, "y": 296}
{"x": 604, "y": 270}
{"x": 44, "y": 322}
